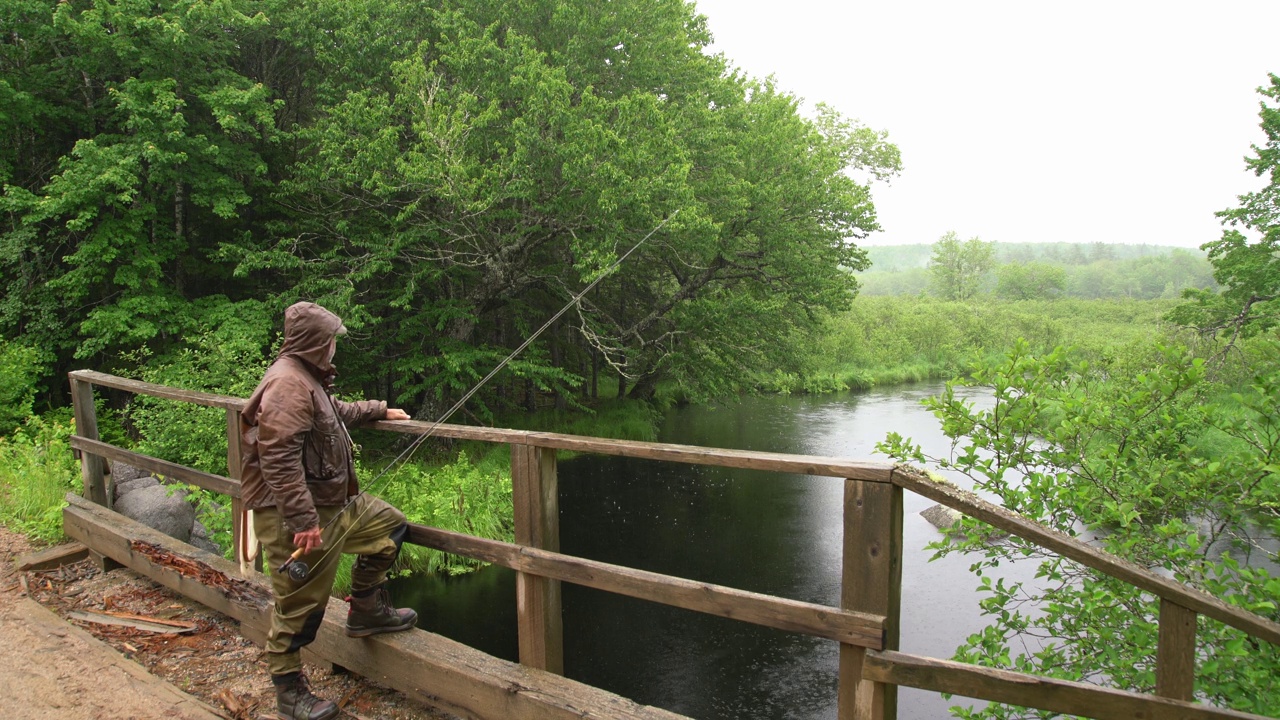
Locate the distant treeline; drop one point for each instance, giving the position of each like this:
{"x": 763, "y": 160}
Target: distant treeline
{"x": 1087, "y": 270}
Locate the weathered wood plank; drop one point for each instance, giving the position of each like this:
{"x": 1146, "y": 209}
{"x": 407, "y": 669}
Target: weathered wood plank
{"x": 719, "y": 457}
{"x": 225, "y": 402}
{"x": 871, "y": 583}
{"x": 918, "y": 482}
{"x": 454, "y": 432}
{"x": 460, "y": 679}
{"x": 537, "y": 524}
{"x": 1062, "y": 696}
{"x": 86, "y": 416}
{"x": 861, "y": 629}
{"x": 688, "y": 454}
{"x": 53, "y": 557}
{"x": 802, "y": 464}
{"x": 1176, "y": 652}
{"x": 208, "y": 481}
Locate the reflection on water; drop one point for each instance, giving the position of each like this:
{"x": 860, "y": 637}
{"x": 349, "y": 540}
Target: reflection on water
{"x": 764, "y": 532}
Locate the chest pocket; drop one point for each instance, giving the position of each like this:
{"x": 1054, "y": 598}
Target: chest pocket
{"x": 323, "y": 455}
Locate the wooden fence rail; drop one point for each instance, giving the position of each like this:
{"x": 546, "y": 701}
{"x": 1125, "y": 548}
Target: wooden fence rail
{"x": 866, "y": 624}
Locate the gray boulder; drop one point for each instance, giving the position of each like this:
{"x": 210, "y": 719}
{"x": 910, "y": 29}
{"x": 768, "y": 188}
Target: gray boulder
{"x": 156, "y": 508}
{"x": 206, "y": 544}
{"x": 124, "y": 488}
{"x": 124, "y": 473}
{"x": 942, "y": 517}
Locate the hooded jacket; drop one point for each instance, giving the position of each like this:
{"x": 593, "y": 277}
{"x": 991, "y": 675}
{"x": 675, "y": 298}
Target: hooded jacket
{"x": 296, "y": 453}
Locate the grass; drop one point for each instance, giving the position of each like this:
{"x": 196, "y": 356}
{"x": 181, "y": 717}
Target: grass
{"x": 37, "y": 470}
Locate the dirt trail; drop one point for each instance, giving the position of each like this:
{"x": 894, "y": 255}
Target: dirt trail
{"x": 52, "y": 669}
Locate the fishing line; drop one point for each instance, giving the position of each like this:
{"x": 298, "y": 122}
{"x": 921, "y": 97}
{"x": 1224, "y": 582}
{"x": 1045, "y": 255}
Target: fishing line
{"x": 298, "y": 570}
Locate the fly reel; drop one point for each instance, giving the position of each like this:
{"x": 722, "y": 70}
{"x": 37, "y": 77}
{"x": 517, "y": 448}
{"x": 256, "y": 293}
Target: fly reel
{"x": 296, "y": 569}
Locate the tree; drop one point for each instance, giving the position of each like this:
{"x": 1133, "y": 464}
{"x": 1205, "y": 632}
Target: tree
{"x": 957, "y": 268}
{"x": 1129, "y": 453}
{"x": 1246, "y": 259}
{"x": 1030, "y": 281}
{"x": 461, "y": 198}
{"x": 444, "y": 175}
{"x": 134, "y": 145}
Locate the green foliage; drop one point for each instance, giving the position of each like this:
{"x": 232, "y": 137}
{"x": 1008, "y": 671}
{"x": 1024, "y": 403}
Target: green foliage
{"x": 890, "y": 340}
{"x": 1030, "y": 281}
{"x": 956, "y": 268}
{"x": 466, "y": 497}
{"x": 37, "y": 470}
{"x": 445, "y": 176}
{"x": 1159, "y": 276}
{"x": 213, "y": 510}
{"x": 227, "y": 355}
{"x": 147, "y": 144}
{"x": 1125, "y": 451}
{"x": 19, "y": 375}
{"x": 1246, "y": 259}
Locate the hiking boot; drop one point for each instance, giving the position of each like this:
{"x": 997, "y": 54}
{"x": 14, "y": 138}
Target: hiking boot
{"x": 373, "y": 614}
{"x": 294, "y": 700}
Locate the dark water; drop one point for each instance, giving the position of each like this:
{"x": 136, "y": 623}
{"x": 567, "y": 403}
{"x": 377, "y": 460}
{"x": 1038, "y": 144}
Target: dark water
{"x": 765, "y": 532}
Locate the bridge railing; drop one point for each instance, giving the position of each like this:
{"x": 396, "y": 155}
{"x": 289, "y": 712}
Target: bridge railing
{"x": 866, "y": 624}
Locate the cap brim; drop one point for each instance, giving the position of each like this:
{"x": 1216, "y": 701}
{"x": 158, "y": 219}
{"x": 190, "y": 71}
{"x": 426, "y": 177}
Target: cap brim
{"x": 342, "y": 330}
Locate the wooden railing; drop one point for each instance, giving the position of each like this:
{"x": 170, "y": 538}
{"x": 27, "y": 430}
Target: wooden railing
{"x": 866, "y": 624}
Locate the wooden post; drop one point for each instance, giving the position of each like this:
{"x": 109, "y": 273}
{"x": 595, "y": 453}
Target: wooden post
{"x": 537, "y": 524}
{"x": 871, "y": 583}
{"x": 1176, "y": 653}
{"x": 239, "y": 533}
{"x": 91, "y": 470}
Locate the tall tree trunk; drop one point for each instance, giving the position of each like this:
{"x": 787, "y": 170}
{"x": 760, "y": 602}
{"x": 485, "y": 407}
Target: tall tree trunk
{"x": 595, "y": 373}
{"x": 645, "y": 387}
{"x": 561, "y": 402}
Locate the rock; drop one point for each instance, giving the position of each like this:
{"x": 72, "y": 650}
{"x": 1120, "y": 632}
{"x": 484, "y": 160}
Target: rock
{"x": 942, "y": 517}
{"x": 198, "y": 530}
{"x": 124, "y": 473}
{"x": 156, "y": 508}
{"x": 206, "y": 544}
{"x": 124, "y": 488}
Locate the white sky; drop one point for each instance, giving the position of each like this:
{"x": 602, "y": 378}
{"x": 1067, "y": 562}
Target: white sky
{"x": 1120, "y": 121}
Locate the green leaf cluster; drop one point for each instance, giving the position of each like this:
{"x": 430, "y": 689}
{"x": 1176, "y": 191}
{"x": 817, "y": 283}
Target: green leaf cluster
{"x": 1246, "y": 259}
{"x": 462, "y": 496}
{"x": 1132, "y": 453}
{"x": 37, "y": 470}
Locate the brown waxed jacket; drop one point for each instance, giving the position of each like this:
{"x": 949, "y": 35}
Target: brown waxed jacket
{"x": 295, "y": 450}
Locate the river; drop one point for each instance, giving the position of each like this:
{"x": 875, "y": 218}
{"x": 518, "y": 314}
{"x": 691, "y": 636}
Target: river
{"x": 758, "y": 531}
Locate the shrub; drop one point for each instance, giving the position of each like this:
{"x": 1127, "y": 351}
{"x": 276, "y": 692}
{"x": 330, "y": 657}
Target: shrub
{"x": 19, "y": 373}
{"x": 37, "y": 470}
{"x": 462, "y": 496}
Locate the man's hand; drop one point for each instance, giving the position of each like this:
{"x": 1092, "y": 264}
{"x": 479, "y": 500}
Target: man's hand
{"x": 308, "y": 540}
{"x": 396, "y": 414}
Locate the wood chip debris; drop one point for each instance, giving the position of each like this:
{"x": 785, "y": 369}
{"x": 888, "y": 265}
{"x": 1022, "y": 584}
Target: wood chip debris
{"x": 137, "y": 622}
{"x": 239, "y": 590}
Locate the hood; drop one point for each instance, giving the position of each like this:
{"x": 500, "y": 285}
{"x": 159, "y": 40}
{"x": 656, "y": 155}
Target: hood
{"x": 308, "y": 328}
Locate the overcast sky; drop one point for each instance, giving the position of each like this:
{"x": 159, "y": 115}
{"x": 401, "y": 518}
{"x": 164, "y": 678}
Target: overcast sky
{"x": 1086, "y": 121}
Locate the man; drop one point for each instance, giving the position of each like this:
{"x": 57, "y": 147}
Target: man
{"x": 298, "y": 474}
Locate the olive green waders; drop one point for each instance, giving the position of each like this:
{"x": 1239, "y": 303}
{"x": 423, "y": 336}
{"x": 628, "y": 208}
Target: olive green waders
{"x": 370, "y": 528}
